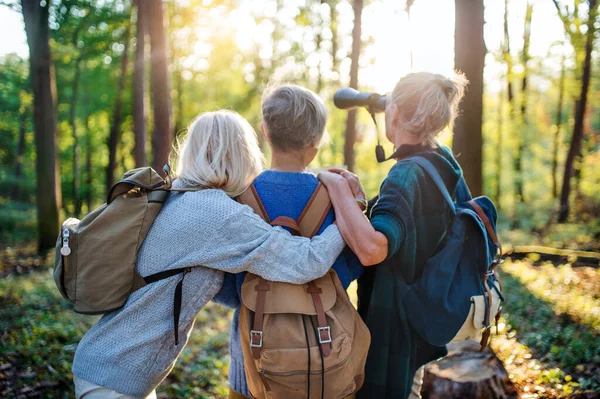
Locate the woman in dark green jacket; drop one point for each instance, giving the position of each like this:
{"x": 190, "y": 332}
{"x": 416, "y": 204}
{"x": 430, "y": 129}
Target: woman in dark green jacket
{"x": 408, "y": 220}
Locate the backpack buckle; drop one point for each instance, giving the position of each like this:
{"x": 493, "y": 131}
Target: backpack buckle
{"x": 326, "y": 340}
{"x": 256, "y": 334}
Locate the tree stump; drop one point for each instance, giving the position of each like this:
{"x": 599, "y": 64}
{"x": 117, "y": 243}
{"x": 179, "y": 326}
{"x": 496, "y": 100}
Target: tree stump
{"x": 467, "y": 373}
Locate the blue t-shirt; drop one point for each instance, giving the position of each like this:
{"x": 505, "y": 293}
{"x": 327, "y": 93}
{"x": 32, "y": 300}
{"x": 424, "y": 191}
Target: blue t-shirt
{"x": 282, "y": 194}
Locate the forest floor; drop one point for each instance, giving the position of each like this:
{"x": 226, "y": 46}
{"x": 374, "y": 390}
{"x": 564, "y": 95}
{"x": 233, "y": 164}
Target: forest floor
{"x": 549, "y": 335}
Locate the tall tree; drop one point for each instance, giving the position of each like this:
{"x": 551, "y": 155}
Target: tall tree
{"x": 115, "y": 127}
{"x": 354, "y": 59}
{"x": 469, "y": 57}
{"x": 139, "y": 78}
{"x": 570, "y": 21}
{"x": 24, "y": 114}
{"x": 499, "y": 146}
{"x": 49, "y": 197}
{"x": 88, "y": 164}
{"x": 558, "y": 123}
{"x": 521, "y": 134}
{"x": 162, "y": 135}
{"x": 76, "y": 149}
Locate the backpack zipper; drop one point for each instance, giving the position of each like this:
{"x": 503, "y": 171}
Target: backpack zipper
{"x": 65, "y": 250}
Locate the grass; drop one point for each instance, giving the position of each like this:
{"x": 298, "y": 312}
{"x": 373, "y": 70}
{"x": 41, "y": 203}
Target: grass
{"x": 39, "y": 335}
{"x": 550, "y": 331}
{"x": 549, "y": 338}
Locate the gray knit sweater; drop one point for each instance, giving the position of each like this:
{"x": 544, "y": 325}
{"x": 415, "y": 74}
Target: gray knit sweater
{"x": 133, "y": 349}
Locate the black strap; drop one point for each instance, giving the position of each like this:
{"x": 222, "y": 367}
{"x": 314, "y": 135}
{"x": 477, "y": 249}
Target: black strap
{"x": 177, "y": 298}
{"x": 163, "y": 275}
{"x": 177, "y": 305}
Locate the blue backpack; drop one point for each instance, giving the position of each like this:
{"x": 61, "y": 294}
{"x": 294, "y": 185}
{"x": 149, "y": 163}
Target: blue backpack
{"x": 458, "y": 293}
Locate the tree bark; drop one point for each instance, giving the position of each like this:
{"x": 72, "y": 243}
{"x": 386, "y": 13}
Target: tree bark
{"x": 76, "y": 150}
{"x": 139, "y": 82}
{"x": 48, "y": 196}
{"x": 88, "y": 165}
{"x": 351, "y": 121}
{"x": 159, "y": 81}
{"x": 469, "y": 57}
{"x": 333, "y": 25}
{"x": 16, "y": 192}
{"x": 467, "y": 373}
{"x": 558, "y": 123}
{"x": 115, "y": 128}
{"x": 577, "y": 137}
{"x": 520, "y": 136}
{"x": 499, "y": 149}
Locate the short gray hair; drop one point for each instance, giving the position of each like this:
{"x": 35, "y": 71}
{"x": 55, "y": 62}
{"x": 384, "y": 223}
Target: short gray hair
{"x": 294, "y": 117}
{"x": 428, "y": 102}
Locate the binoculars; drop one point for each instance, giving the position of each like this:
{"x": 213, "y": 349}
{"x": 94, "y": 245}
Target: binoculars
{"x": 348, "y": 98}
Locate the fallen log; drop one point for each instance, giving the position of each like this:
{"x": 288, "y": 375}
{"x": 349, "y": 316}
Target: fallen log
{"x": 555, "y": 255}
{"x": 467, "y": 373}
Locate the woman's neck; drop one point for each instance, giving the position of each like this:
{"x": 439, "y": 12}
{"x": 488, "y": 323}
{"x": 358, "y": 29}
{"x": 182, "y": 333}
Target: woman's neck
{"x": 401, "y": 138}
{"x": 287, "y": 162}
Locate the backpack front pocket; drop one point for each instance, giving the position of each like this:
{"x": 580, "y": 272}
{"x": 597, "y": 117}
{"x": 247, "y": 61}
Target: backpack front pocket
{"x": 287, "y": 370}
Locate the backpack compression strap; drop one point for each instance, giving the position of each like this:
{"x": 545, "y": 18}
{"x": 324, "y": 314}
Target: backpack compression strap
{"x": 312, "y": 217}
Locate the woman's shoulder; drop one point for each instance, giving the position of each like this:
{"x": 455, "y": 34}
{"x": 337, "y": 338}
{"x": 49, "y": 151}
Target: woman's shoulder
{"x": 403, "y": 174}
{"x": 207, "y": 204}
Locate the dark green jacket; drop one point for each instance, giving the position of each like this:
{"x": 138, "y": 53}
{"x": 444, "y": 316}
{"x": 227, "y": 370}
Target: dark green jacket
{"x": 411, "y": 212}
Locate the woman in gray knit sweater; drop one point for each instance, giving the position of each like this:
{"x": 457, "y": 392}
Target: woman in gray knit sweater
{"x": 130, "y": 351}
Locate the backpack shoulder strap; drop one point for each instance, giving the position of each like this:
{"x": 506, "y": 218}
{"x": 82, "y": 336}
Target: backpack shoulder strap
{"x": 430, "y": 169}
{"x": 316, "y": 210}
{"x": 250, "y": 197}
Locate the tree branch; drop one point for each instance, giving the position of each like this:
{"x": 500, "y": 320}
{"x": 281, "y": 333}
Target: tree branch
{"x": 564, "y": 18}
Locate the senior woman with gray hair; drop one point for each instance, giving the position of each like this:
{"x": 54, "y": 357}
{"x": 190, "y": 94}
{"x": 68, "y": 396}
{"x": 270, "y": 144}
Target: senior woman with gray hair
{"x": 128, "y": 352}
{"x": 408, "y": 221}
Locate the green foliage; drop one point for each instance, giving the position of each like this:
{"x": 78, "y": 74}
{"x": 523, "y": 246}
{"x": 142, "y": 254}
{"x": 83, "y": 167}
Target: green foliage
{"x": 553, "y": 312}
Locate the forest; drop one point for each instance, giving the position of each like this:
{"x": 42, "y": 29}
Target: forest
{"x": 92, "y": 88}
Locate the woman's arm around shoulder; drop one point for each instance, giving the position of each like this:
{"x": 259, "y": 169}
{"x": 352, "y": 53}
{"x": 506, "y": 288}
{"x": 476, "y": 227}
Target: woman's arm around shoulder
{"x": 369, "y": 245}
{"x": 244, "y": 242}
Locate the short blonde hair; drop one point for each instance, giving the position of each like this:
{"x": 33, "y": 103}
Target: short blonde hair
{"x": 294, "y": 117}
{"x": 220, "y": 150}
{"x": 428, "y": 102}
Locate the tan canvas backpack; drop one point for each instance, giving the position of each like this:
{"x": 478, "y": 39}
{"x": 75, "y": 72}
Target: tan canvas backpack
{"x": 301, "y": 341}
{"x": 94, "y": 266}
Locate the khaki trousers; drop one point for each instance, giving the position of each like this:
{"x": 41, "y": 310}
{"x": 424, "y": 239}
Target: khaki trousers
{"x": 88, "y": 390}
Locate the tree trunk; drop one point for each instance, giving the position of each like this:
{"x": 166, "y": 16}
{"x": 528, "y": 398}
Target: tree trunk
{"x": 499, "y": 149}
{"x": 469, "y": 57}
{"x": 575, "y": 147}
{"x": 115, "y": 128}
{"x": 88, "y": 165}
{"x": 559, "y": 109}
{"x": 351, "y": 121}
{"x": 48, "y": 195}
{"x": 16, "y": 192}
{"x": 76, "y": 150}
{"x": 139, "y": 76}
{"x": 333, "y": 25}
{"x": 467, "y": 373}
{"x": 159, "y": 81}
{"x": 520, "y": 136}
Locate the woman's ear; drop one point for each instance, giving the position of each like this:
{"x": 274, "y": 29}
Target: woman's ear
{"x": 395, "y": 116}
{"x": 264, "y": 132}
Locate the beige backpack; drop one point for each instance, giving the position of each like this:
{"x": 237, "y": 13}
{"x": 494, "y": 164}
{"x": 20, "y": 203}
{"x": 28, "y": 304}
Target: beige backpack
{"x": 306, "y": 340}
{"x": 94, "y": 266}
